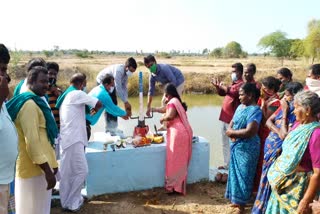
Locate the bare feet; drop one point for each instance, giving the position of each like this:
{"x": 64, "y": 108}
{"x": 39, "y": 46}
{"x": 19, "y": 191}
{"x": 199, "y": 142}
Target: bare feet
{"x": 224, "y": 178}
{"x": 238, "y": 209}
{"x": 221, "y": 177}
{"x": 218, "y": 177}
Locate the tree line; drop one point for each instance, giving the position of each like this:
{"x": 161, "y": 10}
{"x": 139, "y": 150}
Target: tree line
{"x": 277, "y": 44}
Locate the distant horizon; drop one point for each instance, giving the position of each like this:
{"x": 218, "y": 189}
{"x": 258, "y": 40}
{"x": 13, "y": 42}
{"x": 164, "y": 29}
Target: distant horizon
{"x": 124, "y": 25}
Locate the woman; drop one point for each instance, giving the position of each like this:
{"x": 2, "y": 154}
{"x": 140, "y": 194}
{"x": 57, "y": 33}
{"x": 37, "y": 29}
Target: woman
{"x": 245, "y": 144}
{"x": 269, "y": 103}
{"x": 295, "y": 175}
{"x": 179, "y": 141}
{"x": 285, "y": 76}
{"x": 279, "y": 124}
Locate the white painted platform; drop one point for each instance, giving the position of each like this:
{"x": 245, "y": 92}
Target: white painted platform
{"x": 132, "y": 169}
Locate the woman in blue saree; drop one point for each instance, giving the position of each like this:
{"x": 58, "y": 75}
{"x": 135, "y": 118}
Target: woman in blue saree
{"x": 295, "y": 175}
{"x": 279, "y": 124}
{"x": 245, "y": 147}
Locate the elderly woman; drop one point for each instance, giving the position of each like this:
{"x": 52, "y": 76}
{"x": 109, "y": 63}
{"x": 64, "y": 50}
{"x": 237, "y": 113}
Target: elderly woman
{"x": 279, "y": 124}
{"x": 295, "y": 175}
{"x": 245, "y": 147}
{"x": 179, "y": 140}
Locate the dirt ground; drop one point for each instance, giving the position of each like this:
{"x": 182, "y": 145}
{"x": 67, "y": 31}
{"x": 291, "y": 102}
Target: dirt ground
{"x": 203, "y": 197}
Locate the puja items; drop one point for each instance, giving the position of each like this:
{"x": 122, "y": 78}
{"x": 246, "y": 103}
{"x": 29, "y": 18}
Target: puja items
{"x": 141, "y": 130}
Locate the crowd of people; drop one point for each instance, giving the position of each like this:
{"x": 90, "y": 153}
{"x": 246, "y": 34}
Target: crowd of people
{"x": 270, "y": 134}
{"x": 41, "y": 124}
{"x": 271, "y": 141}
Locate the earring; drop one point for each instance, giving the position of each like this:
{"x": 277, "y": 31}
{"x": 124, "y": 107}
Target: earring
{"x": 307, "y": 114}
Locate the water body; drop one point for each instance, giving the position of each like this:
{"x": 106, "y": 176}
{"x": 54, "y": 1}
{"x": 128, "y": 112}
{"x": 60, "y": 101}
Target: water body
{"x": 203, "y": 113}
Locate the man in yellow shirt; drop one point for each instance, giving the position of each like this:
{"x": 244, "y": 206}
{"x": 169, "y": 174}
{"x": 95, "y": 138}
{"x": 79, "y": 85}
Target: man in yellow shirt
{"x": 36, "y": 163}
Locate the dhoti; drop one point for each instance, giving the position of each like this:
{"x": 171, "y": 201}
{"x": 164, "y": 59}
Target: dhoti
{"x": 32, "y": 196}
{"x": 74, "y": 170}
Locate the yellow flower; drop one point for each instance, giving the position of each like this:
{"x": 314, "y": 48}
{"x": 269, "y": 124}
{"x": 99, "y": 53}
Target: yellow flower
{"x": 284, "y": 197}
{"x": 293, "y": 203}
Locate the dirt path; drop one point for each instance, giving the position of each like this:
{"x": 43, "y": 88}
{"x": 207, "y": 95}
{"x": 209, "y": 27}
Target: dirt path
{"x": 203, "y": 197}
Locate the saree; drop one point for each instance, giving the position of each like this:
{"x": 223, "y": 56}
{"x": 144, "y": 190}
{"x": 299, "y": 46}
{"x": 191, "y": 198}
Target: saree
{"x": 244, "y": 154}
{"x": 272, "y": 105}
{"x": 272, "y": 149}
{"x": 178, "y": 149}
{"x": 288, "y": 186}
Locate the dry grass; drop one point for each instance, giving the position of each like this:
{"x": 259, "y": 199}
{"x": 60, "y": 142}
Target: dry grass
{"x": 197, "y": 70}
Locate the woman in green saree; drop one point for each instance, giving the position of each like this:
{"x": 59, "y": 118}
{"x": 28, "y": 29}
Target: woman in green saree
{"x": 295, "y": 175}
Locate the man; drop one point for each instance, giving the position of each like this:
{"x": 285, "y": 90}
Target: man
{"x": 162, "y": 73}
{"x": 102, "y": 92}
{"x": 74, "y": 167}
{"x": 120, "y": 73}
{"x": 22, "y": 85}
{"x": 249, "y": 73}
{"x": 229, "y": 106}
{"x": 52, "y": 94}
{"x": 313, "y": 79}
{"x": 8, "y": 135}
{"x": 36, "y": 164}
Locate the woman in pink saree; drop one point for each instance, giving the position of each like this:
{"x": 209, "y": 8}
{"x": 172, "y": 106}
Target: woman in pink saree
{"x": 179, "y": 141}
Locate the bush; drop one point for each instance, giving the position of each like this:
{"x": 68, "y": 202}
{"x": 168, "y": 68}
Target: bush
{"x": 83, "y": 54}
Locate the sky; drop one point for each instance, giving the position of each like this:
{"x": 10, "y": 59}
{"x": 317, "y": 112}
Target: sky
{"x": 150, "y": 25}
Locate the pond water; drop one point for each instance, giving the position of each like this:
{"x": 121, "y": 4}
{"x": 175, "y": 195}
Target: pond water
{"x": 203, "y": 113}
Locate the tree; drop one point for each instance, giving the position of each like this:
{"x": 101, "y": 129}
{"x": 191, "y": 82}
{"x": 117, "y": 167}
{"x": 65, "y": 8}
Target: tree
{"x": 312, "y": 41}
{"x": 205, "y": 51}
{"x": 48, "y": 53}
{"x": 296, "y": 48}
{"x": 217, "y": 52}
{"x": 232, "y": 50}
{"x": 277, "y": 43}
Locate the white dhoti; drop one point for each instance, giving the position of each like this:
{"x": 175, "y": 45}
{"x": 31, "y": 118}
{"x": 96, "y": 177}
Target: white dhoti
{"x": 74, "y": 170}
{"x": 32, "y": 196}
{"x": 225, "y": 145}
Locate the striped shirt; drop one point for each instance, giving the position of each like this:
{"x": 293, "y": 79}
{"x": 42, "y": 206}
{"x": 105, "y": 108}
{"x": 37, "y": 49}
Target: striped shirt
{"x": 120, "y": 79}
{"x": 52, "y": 103}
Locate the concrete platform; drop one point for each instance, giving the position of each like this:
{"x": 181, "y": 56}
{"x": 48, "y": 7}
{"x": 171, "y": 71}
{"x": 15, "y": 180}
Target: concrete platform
{"x": 132, "y": 169}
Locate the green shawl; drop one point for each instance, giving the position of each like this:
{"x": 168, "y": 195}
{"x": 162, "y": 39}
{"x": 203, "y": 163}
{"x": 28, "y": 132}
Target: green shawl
{"x": 18, "y": 88}
{"x": 63, "y": 96}
{"x": 15, "y": 104}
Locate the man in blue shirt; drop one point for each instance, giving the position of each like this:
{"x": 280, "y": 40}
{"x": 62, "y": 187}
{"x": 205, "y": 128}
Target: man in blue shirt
{"x": 102, "y": 92}
{"x": 8, "y": 134}
{"x": 162, "y": 73}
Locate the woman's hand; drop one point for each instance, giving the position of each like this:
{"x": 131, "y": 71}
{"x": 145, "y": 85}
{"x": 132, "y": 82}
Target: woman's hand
{"x": 284, "y": 105}
{"x": 315, "y": 207}
{"x": 282, "y": 135}
{"x": 162, "y": 120}
{"x": 303, "y": 207}
{"x": 229, "y": 132}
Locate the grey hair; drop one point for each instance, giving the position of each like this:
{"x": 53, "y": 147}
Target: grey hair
{"x": 308, "y": 99}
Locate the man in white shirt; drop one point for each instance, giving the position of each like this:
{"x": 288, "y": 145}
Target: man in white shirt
{"x": 120, "y": 73}
{"x": 8, "y": 135}
{"x": 74, "y": 167}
